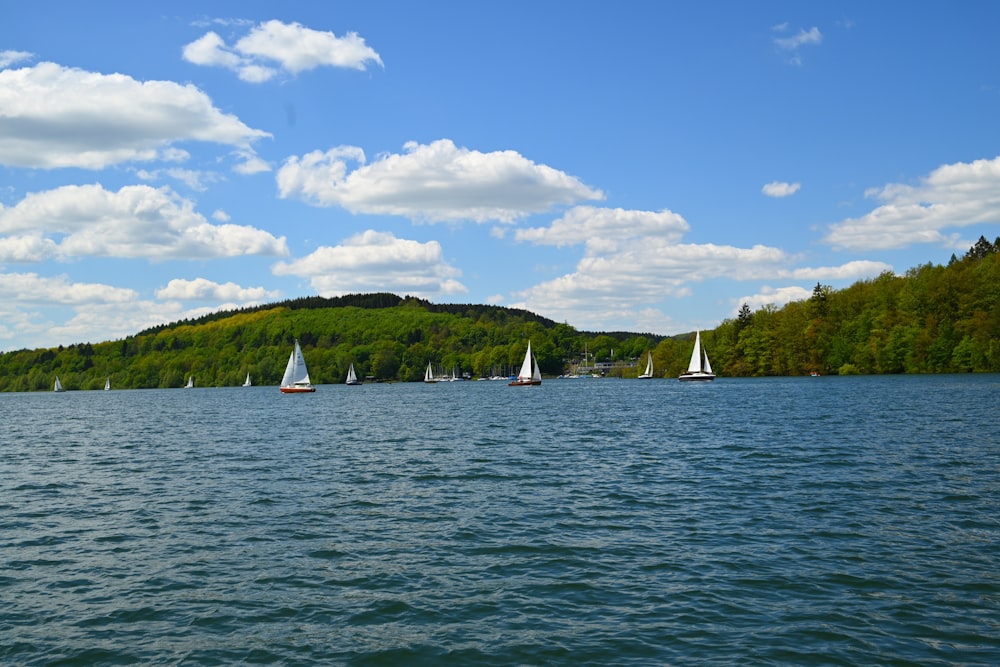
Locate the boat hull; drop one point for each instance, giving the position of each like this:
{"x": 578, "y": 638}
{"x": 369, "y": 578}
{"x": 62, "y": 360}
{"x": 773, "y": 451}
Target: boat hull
{"x": 524, "y": 383}
{"x": 696, "y": 377}
{"x": 297, "y": 390}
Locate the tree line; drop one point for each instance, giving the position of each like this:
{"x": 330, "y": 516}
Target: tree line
{"x": 932, "y": 319}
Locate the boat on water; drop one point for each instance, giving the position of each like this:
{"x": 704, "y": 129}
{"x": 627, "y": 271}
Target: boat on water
{"x": 107, "y": 384}
{"x": 699, "y": 368}
{"x": 246, "y": 383}
{"x": 57, "y": 387}
{"x": 296, "y": 377}
{"x": 352, "y": 377}
{"x": 649, "y": 367}
{"x": 429, "y": 376}
{"x": 190, "y": 384}
{"x": 529, "y": 374}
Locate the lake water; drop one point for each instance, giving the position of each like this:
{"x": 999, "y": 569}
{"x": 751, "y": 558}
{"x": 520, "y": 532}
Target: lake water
{"x": 786, "y": 521}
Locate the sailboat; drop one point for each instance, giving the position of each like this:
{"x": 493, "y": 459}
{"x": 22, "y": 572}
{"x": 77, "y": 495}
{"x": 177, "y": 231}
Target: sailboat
{"x": 190, "y": 384}
{"x": 352, "y": 377}
{"x": 699, "y": 368}
{"x": 429, "y": 374}
{"x": 296, "y": 377}
{"x": 58, "y": 385}
{"x": 107, "y": 384}
{"x": 529, "y": 373}
{"x": 649, "y": 367}
{"x": 246, "y": 383}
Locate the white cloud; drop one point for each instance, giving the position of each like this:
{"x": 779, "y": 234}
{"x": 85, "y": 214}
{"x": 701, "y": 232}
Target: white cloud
{"x": 291, "y": 47}
{"x": 803, "y": 37}
{"x": 8, "y": 58}
{"x": 202, "y": 289}
{"x": 436, "y": 182}
{"x": 137, "y": 221}
{"x": 952, "y": 196}
{"x": 780, "y": 189}
{"x": 377, "y": 261}
{"x": 777, "y": 297}
{"x": 646, "y": 270}
{"x": 55, "y": 117}
{"x": 855, "y": 270}
{"x": 30, "y": 288}
{"x": 605, "y": 229}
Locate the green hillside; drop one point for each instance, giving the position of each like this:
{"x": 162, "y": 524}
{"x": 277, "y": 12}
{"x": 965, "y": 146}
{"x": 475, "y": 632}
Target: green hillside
{"x": 934, "y": 319}
{"x": 386, "y": 337}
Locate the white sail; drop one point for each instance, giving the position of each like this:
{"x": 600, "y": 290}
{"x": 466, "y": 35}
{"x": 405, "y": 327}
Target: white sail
{"x": 247, "y": 382}
{"x": 429, "y": 373}
{"x": 525, "y": 373}
{"x": 352, "y": 377}
{"x": 708, "y": 366}
{"x": 694, "y": 366}
{"x": 58, "y": 385}
{"x": 190, "y": 384}
{"x": 107, "y": 384}
{"x": 537, "y": 373}
{"x": 649, "y": 367}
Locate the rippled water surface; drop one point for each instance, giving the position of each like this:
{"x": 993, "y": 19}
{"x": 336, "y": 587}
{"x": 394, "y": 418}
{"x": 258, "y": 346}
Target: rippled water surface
{"x": 805, "y": 521}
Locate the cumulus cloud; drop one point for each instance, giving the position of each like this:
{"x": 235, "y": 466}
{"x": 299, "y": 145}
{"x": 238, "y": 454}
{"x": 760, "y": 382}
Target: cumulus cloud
{"x": 273, "y": 46}
{"x": 55, "y": 116}
{"x": 377, "y": 261}
{"x": 780, "y": 189}
{"x": 951, "y": 197}
{"x": 606, "y": 229}
{"x": 645, "y": 270}
{"x": 435, "y": 182}
{"x": 137, "y": 221}
{"x": 776, "y": 297}
{"x": 202, "y": 289}
{"x": 8, "y": 58}
{"x": 31, "y": 288}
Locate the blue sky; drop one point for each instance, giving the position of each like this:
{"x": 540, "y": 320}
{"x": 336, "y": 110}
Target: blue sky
{"x": 637, "y": 166}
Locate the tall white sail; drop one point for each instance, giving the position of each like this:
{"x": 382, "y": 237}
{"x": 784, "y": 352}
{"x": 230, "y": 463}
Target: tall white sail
{"x": 525, "y": 372}
{"x": 694, "y": 366}
{"x": 286, "y": 379}
{"x": 708, "y": 366}
{"x": 536, "y": 374}
{"x": 58, "y": 385}
{"x": 247, "y": 383}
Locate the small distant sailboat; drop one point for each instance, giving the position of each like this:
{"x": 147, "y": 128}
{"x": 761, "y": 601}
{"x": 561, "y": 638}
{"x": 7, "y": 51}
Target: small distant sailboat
{"x": 352, "y": 377}
{"x": 246, "y": 383}
{"x": 529, "y": 374}
{"x": 107, "y": 384}
{"x": 58, "y": 385}
{"x": 649, "y": 367}
{"x": 699, "y": 367}
{"x": 190, "y": 384}
{"x": 429, "y": 374}
{"x": 296, "y": 377}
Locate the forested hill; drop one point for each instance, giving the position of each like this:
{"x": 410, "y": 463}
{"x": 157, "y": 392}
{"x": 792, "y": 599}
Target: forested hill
{"x": 933, "y": 319}
{"x": 385, "y": 336}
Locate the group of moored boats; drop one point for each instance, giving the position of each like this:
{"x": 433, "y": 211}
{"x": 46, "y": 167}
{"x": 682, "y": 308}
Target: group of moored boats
{"x": 296, "y": 377}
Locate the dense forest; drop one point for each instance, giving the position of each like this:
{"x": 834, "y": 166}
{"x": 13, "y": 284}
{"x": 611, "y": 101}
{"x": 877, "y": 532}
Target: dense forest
{"x": 933, "y": 319}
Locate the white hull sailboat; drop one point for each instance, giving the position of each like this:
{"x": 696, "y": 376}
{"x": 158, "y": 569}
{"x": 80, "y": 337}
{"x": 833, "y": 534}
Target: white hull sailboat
{"x": 649, "y": 367}
{"x": 529, "y": 374}
{"x": 190, "y": 384}
{"x": 107, "y": 384}
{"x": 352, "y": 377}
{"x": 57, "y": 387}
{"x": 296, "y": 377}
{"x": 699, "y": 368}
{"x": 246, "y": 383}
